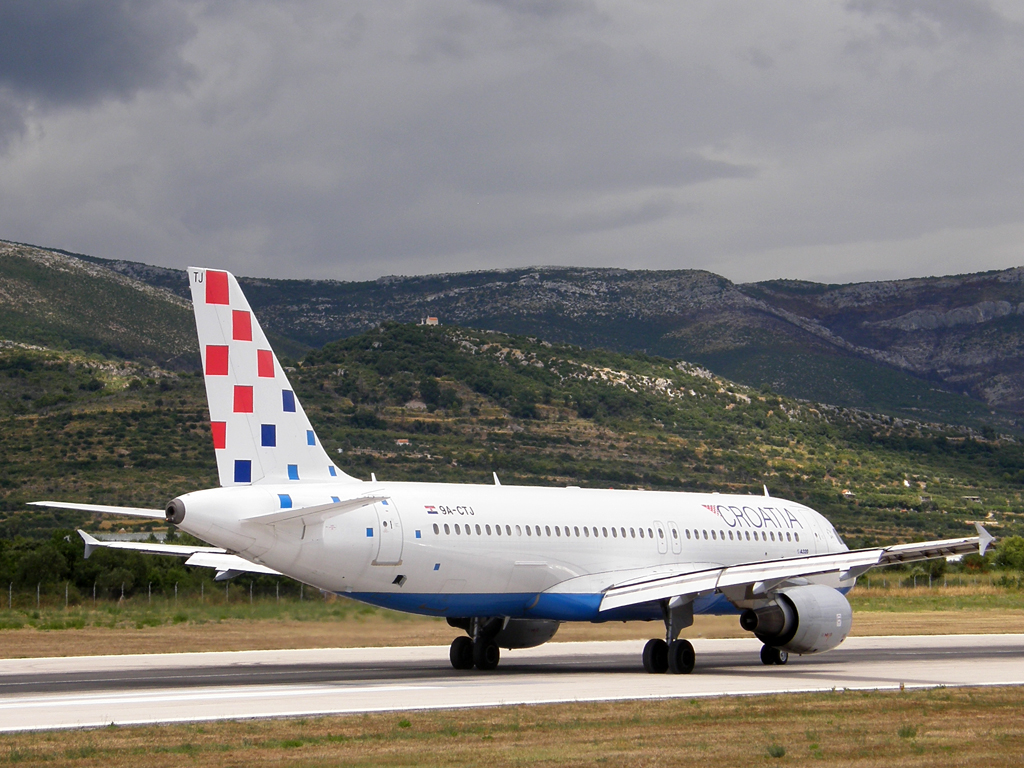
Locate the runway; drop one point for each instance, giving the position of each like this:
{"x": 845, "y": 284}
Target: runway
{"x": 37, "y": 694}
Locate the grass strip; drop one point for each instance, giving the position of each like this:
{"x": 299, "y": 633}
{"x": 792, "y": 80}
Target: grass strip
{"x": 977, "y": 726}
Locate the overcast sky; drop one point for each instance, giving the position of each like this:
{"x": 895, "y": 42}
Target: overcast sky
{"x": 831, "y": 141}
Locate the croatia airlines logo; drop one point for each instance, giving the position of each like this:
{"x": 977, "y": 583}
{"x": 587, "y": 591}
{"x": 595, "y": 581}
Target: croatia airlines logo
{"x": 712, "y": 509}
{"x": 431, "y": 510}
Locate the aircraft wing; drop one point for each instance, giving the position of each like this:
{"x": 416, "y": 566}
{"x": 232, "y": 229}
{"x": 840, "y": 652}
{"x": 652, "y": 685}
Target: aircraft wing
{"x": 763, "y": 576}
{"x": 129, "y": 511}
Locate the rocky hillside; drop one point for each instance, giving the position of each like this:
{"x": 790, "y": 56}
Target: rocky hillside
{"x": 939, "y": 349}
{"x": 56, "y": 300}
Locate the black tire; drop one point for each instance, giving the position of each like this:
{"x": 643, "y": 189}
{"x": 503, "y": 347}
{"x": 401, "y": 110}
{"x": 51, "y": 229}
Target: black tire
{"x": 656, "y": 657}
{"x": 773, "y": 656}
{"x": 681, "y": 657}
{"x": 486, "y": 655}
{"x": 461, "y": 653}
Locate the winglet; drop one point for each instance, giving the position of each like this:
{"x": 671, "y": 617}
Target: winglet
{"x": 984, "y": 539}
{"x": 90, "y": 543}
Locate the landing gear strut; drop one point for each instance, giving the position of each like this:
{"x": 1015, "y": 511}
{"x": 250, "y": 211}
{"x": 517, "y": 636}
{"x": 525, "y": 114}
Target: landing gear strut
{"x": 671, "y": 654}
{"x": 771, "y": 655}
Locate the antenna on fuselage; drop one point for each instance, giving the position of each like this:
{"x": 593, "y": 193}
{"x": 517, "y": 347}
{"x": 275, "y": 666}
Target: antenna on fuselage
{"x": 767, "y": 495}
{"x": 496, "y": 480}
{"x": 373, "y": 478}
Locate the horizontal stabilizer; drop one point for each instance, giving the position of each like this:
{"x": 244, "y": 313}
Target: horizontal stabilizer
{"x": 320, "y": 511}
{"x": 101, "y": 508}
{"x": 225, "y": 563}
{"x": 149, "y": 548}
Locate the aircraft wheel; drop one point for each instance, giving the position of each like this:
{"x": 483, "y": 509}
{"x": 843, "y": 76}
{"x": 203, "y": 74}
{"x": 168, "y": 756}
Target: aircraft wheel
{"x": 486, "y": 655}
{"x": 770, "y": 656}
{"x": 461, "y": 653}
{"x": 656, "y": 657}
{"x": 681, "y": 657}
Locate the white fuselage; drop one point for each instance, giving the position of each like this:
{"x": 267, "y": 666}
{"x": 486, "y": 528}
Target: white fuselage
{"x": 518, "y": 551}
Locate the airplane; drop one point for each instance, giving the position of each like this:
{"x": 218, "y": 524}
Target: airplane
{"x": 505, "y": 564}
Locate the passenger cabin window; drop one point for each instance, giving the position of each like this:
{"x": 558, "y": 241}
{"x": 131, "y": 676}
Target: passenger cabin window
{"x": 457, "y": 529}
{"x": 632, "y": 533}
{"x": 661, "y": 534}
{"x": 528, "y": 531}
{"x": 576, "y": 528}
{"x": 675, "y": 534}
{"x": 705, "y": 535}
{"x": 536, "y": 529}
{"x": 547, "y": 529}
{"x": 796, "y": 536}
{"x": 518, "y": 531}
{"x": 614, "y": 534}
{"x": 436, "y": 529}
{"x": 641, "y": 533}
{"x": 478, "y": 530}
{"x": 650, "y": 533}
{"x": 446, "y": 531}
{"x": 558, "y": 531}
{"x": 687, "y": 533}
{"x": 605, "y": 532}
{"x": 712, "y": 535}
{"x": 586, "y": 531}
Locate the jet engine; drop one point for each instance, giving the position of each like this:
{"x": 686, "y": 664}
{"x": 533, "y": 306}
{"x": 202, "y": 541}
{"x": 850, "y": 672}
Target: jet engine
{"x": 808, "y": 619}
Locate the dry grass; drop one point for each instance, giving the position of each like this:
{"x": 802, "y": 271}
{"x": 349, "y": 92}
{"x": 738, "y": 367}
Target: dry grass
{"x": 380, "y": 630}
{"x": 889, "y": 730}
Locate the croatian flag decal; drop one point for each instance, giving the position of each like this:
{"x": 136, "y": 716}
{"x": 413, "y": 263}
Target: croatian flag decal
{"x": 431, "y": 510}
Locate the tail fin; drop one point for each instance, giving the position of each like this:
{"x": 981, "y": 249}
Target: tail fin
{"x": 260, "y": 432}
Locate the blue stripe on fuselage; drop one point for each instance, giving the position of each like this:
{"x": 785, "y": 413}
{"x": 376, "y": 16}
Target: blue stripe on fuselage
{"x": 556, "y": 606}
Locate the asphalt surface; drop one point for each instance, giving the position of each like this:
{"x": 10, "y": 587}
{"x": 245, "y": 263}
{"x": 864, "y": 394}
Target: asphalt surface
{"x": 93, "y": 691}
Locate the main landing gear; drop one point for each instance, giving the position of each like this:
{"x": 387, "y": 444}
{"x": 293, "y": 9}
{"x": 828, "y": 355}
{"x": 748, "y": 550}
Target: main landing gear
{"x": 677, "y": 657}
{"x": 770, "y": 656}
{"x": 671, "y": 654}
{"x": 479, "y": 650}
{"x": 466, "y": 654}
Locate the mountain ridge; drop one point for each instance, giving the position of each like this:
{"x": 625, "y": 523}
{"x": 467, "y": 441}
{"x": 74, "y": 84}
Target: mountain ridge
{"x": 915, "y": 346}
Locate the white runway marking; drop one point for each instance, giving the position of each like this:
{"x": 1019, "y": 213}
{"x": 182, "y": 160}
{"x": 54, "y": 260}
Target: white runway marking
{"x": 38, "y": 694}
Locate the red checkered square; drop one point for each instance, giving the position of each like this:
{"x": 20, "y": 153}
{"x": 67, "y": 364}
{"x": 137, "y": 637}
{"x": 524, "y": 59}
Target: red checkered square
{"x": 265, "y": 363}
{"x": 220, "y": 434}
{"x": 243, "y": 399}
{"x": 216, "y": 287}
{"x": 241, "y": 326}
{"x": 216, "y": 360}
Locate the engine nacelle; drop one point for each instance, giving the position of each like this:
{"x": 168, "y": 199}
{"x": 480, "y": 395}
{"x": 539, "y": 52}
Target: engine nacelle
{"x": 526, "y": 633}
{"x": 803, "y": 620}
{"x": 514, "y": 633}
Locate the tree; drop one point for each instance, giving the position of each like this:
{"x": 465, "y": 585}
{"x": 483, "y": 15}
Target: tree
{"x": 1011, "y": 553}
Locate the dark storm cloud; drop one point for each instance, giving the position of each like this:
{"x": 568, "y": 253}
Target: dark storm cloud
{"x": 311, "y": 137}
{"x": 78, "y": 52}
